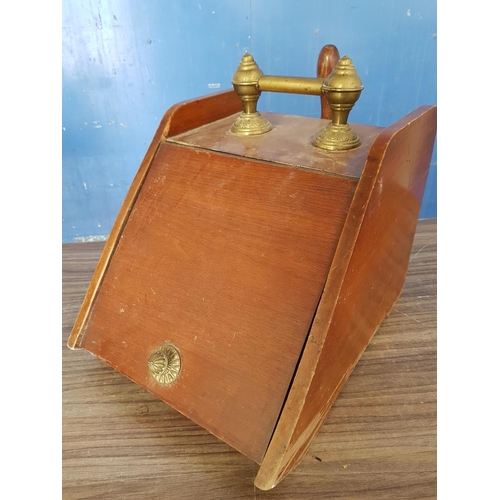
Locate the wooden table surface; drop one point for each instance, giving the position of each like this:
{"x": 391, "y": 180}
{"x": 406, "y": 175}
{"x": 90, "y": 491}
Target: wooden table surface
{"x": 378, "y": 442}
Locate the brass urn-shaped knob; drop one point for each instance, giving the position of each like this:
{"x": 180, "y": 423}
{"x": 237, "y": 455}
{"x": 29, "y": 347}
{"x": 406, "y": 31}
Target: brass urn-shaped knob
{"x": 245, "y": 83}
{"x": 341, "y": 89}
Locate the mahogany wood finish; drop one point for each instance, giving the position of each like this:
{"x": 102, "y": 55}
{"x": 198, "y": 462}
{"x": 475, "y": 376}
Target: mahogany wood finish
{"x": 377, "y": 442}
{"x": 267, "y": 262}
{"x": 327, "y": 60}
{"x": 226, "y": 259}
{"x": 365, "y": 280}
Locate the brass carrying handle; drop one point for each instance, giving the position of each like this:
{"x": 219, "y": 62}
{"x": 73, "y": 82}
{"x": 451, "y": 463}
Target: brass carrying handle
{"x": 341, "y": 89}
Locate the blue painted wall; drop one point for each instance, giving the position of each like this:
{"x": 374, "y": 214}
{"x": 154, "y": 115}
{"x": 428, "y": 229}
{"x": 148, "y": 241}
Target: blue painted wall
{"x": 125, "y": 62}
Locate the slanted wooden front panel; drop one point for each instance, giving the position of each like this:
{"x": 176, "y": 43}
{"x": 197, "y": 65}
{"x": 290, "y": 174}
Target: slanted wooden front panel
{"x": 225, "y": 258}
{"x": 179, "y": 118}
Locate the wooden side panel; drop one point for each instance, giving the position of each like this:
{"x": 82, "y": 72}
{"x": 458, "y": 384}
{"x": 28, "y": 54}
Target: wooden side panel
{"x": 225, "y": 258}
{"x": 177, "y": 119}
{"x": 365, "y": 280}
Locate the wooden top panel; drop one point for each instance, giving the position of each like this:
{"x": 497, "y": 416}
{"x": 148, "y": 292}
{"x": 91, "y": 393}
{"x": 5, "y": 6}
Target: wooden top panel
{"x": 289, "y": 143}
{"x": 225, "y": 258}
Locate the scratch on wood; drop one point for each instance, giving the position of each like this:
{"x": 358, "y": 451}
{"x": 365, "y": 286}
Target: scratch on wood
{"x": 408, "y": 316}
{"x": 423, "y": 248}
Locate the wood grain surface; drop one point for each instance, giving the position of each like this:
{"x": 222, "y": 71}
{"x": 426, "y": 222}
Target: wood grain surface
{"x": 179, "y": 118}
{"x": 226, "y": 259}
{"x": 378, "y": 441}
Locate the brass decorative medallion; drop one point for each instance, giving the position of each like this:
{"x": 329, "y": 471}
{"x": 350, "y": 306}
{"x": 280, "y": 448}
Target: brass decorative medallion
{"x": 165, "y": 364}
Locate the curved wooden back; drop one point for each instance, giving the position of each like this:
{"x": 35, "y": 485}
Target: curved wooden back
{"x": 327, "y": 60}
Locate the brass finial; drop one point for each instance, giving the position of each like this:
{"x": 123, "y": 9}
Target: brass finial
{"x": 245, "y": 79}
{"x": 341, "y": 89}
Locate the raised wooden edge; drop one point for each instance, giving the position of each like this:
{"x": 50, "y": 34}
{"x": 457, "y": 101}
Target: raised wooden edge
{"x": 302, "y": 414}
{"x": 178, "y": 119}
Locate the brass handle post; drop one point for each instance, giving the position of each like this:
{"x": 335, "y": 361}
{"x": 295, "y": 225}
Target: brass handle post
{"x": 341, "y": 89}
